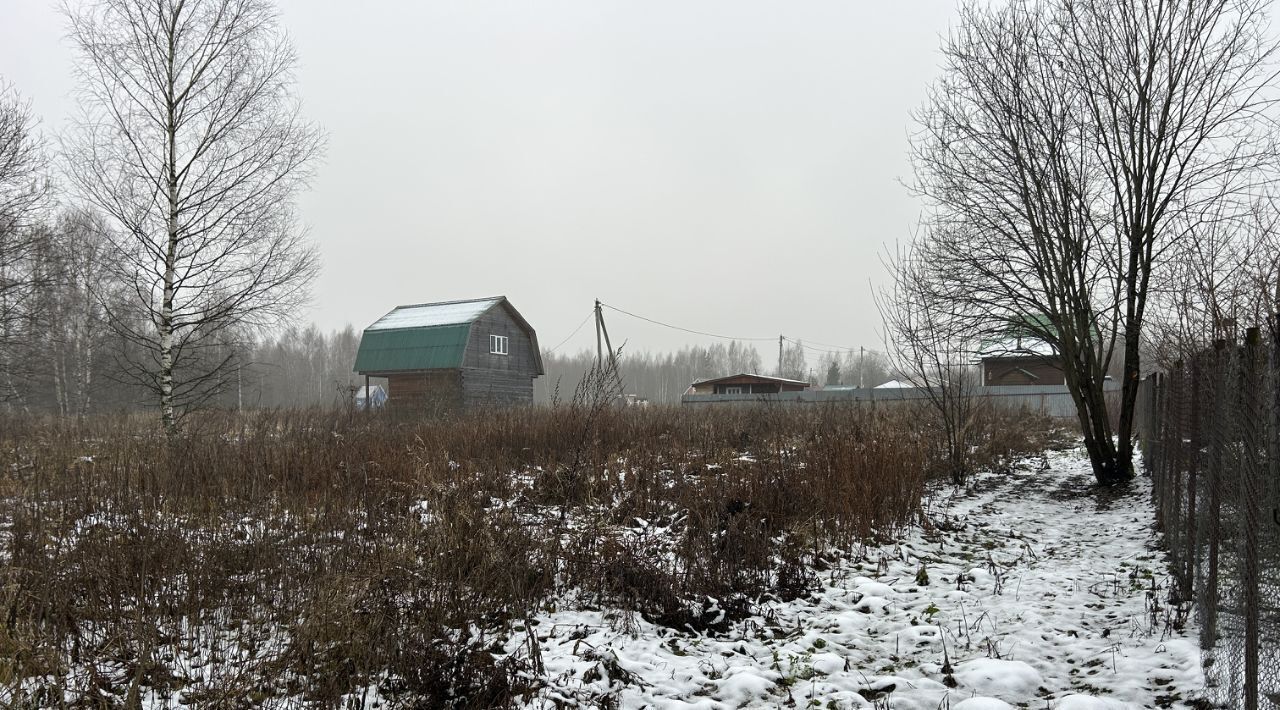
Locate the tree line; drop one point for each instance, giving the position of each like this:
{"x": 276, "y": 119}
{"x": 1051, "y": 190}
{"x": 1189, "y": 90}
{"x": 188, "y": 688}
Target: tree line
{"x": 62, "y": 356}
{"x": 73, "y": 364}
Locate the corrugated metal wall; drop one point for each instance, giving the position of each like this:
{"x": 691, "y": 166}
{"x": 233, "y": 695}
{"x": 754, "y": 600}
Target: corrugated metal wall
{"x": 1053, "y": 400}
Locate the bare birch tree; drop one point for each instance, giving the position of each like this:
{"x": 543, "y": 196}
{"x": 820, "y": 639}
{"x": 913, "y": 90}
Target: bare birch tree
{"x": 23, "y": 189}
{"x": 794, "y": 363}
{"x": 1069, "y": 144}
{"x": 84, "y": 288}
{"x": 191, "y": 140}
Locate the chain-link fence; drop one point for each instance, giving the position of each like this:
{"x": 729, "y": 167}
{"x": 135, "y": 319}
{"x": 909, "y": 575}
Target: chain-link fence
{"x": 1210, "y": 432}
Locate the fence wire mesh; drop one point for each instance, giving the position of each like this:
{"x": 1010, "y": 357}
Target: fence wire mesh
{"x": 1210, "y": 434}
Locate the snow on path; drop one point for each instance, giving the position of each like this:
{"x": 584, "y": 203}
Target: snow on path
{"x": 1044, "y": 592}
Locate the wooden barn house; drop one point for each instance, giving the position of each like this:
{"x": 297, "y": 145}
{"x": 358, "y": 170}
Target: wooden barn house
{"x": 452, "y": 355}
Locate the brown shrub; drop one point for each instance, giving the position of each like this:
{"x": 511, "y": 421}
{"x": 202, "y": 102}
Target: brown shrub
{"x": 319, "y": 553}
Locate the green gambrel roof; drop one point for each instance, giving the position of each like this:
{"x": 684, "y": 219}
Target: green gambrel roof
{"x": 438, "y": 347}
{"x": 430, "y": 336}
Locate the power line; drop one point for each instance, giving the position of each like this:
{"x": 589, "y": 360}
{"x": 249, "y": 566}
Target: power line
{"x": 676, "y": 327}
{"x": 837, "y": 349}
{"x": 810, "y": 343}
{"x": 807, "y": 346}
{"x": 575, "y": 332}
{"x": 800, "y": 342}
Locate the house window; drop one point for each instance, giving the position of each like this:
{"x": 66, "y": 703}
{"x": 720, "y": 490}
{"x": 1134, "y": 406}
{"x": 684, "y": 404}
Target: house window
{"x": 498, "y": 344}
{"x": 733, "y": 390}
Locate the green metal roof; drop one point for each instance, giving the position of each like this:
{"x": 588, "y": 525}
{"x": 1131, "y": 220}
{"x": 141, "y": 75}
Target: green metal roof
{"x": 434, "y": 348}
{"x": 1025, "y": 335}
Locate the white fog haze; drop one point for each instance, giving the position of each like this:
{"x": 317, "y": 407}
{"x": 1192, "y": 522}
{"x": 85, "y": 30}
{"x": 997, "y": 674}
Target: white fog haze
{"x": 735, "y": 168}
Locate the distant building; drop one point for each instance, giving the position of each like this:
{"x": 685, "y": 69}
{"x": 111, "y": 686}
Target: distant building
{"x": 369, "y": 397}
{"x": 1018, "y": 358}
{"x": 452, "y": 355}
{"x": 745, "y": 383}
{"x": 894, "y": 385}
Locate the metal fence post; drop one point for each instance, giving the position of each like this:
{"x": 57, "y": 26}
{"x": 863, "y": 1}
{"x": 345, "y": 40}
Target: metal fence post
{"x": 1193, "y": 448}
{"x": 1177, "y": 454}
{"x": 1268, "y": 544}
{"x": 1251, "y": 472}
{"x": 1208, "y": 597}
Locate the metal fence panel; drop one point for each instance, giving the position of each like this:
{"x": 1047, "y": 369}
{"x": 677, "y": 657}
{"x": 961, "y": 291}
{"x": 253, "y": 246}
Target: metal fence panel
{"x": 1210, "y": 436}
{"x": 1051, "y": 400}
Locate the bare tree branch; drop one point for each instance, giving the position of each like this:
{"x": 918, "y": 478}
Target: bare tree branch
{"x": 23, "y": 194}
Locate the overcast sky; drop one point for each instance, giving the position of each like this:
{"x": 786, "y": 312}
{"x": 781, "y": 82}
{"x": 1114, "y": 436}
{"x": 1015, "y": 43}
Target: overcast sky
{"x": 734, "y": 167}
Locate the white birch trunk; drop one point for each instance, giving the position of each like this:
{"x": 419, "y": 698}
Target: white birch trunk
{"x": 167, "y": 414}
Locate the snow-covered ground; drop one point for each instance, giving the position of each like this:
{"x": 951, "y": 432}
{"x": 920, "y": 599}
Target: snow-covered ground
{"x": 1029, "y": 589}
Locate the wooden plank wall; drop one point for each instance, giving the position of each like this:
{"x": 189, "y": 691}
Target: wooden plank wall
{"x": 451, "y": 390}
{"x": 496, "y": 388}
{"x": 425, "y": 391}
{"x": 520, "y": 356}
{"x": 1010, "y": 372}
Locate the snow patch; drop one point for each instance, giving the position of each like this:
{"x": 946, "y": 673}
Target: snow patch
{"x": 997, "y": 677}
{"x": 979, "y": 703}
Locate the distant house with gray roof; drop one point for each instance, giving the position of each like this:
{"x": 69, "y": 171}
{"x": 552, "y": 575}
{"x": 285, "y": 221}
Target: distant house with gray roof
{"x": 452, "y": 355}
{"x": 745, "y": 383}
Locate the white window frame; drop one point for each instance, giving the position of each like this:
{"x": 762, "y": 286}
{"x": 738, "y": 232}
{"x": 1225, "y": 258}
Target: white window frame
{"x": 734, "y": 389}
{"x": 499, "y": 345}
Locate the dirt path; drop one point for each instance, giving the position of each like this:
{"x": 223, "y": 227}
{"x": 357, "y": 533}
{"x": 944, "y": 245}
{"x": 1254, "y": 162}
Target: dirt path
{"x": 1040, "y": 592}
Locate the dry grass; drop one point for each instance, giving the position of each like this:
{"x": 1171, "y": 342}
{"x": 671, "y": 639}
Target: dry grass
{"x": 312, "y": 554}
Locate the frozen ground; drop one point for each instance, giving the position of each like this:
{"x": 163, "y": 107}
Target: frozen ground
{"x": 1041, "y": 592}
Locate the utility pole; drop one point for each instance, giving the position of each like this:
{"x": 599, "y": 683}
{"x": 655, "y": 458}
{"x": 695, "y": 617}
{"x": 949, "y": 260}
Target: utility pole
{"x": 779, "y": 356}
{"x": 602, "y": 331}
